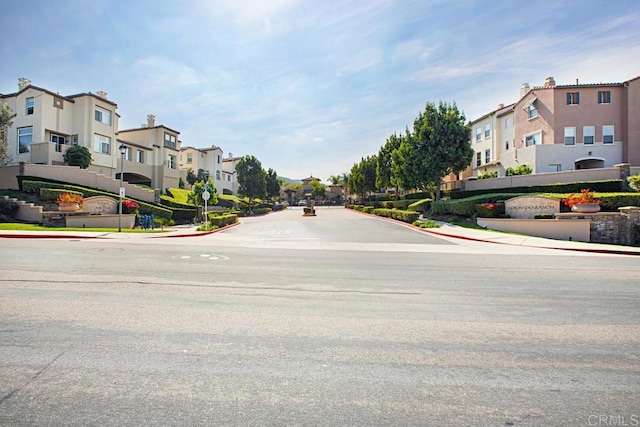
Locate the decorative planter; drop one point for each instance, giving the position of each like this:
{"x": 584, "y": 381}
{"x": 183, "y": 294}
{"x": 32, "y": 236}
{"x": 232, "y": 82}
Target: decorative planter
{"x": 73, "y": 207}
{"x": 585, "y": 208}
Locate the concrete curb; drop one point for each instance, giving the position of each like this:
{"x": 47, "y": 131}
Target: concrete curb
{"x": 477, "y": 239}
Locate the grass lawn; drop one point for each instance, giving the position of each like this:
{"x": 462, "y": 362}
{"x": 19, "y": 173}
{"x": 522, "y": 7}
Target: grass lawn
{"x": 33, "y": 227}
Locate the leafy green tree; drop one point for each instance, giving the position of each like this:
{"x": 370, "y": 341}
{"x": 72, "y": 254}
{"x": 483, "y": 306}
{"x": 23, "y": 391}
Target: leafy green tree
{"x": 362, "y": 178}
{"x": 442, "y": 135}
{"x": 356, "y": 180}
{"x": 318, "y": 189}
{"x": 252, "y": 180}
{"x": 181, "y": 183}
{"x": 273, "y": 184}
{"x": 191, "y": 177}
{"x": 6, "y": 120}
{"x": 77, "y": 155}
{"x": 195, "y": 196}
{"x": 384, "y": 171}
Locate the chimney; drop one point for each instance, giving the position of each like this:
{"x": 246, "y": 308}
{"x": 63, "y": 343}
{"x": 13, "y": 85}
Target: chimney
{"x": 22, "y": 83}
{"x": 151, "y": 120}
{"x": 500, "y": 106}
{"x": 549, "y": 82}
{"x": 102, "y": 94}
{"x": 231, "y": 155}
{"x": 524, "y": 89}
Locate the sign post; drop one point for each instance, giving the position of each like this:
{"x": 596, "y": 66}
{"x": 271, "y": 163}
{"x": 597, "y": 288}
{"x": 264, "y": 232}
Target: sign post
{"x": 206, "y": 196}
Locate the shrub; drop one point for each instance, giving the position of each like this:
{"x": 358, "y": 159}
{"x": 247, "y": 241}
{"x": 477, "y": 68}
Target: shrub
{"x": 520, "y": 170}
{"x": 466, "y": 207}
{"x": 488, "y": 175}
{"x": 420, "y": 206}
{"x": 223, "y": 220}
{"x": 426, "y": 224}
{"x": 489, "y": 210}
{"x": 8, "y": 207}
{"x": 634, "y": 182}
{"x": 418, "y": 195}
{"x": 51, "y": 194}
{"x": 400, "y": 215}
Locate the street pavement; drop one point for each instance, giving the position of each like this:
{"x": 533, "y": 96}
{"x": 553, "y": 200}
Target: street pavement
{"x": 339, "y": 319}
{"x": 446, "y": 231}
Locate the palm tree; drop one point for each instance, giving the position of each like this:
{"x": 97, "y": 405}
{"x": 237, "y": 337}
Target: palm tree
{"x": 334, "y": 179}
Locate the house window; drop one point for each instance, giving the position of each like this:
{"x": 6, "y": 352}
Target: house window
{"x": 506, "y": 123}
{"x": 169, "y": 140}
{"x": 59, "y": 140}
{"x": 478, "y": 158}
{"x": 487, "y": 130}
{"x": 25, "y": 136}
{"x": 102, "y": 144}
{"x": 478, "y": 134}
{"x": 30, "y": 105}
{"x": 218, "y": 175}
{"x": 604, "y": 97}
{"x": 555, "y": 168}
{"x": 139, "y": 156}
{"x": 229, "y": 178}
{"x": 530, "y": 108}
{"x": 171, "y": 162}
{"x": 588, "y": 134}
{"x": 189, "y": 158}
{"x": 127, "y": 153}
{"x": 506, "y": 145}
{"x": 103, "y": 116}
{"x": 74, "y": 139}
{"x": 487, "y": 155}
{"x": 218, "y": 158}
{"x": 573, "y": 98}
{"x": 569, "y": 136}
{"x": 607, "y": 134}
{"x": 533, "y": 139}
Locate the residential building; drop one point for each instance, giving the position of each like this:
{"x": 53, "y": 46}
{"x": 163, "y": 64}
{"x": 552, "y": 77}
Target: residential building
{"x": 491, "y": 135}
{"x": 47, "y": 123}
{"x": 555, "y": 128}
{"x": 212, "y": 162}
{"x": 151, "y": 155}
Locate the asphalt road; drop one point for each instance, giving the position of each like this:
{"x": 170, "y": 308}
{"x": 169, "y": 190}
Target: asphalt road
{"x": 335, "y": 320}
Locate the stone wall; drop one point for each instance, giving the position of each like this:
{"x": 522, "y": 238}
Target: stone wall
{"x": 618, "y": 228}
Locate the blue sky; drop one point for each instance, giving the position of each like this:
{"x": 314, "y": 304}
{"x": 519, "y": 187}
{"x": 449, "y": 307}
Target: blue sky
{"x": 309, "y": 87}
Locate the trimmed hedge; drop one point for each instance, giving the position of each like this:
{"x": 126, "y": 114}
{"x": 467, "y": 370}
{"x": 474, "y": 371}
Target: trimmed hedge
{"x": 222, "y": 220}
{"x": 608, "y": 201}
{"x": 607, "y": 186}
{"x": 406, "y": 216}
{"x": 35, "y": 186}
{"x": 417, "y": 196}
{"x": 420, "y": 206}
{"x": 466, "y": 207}
{"x": 52, "y": 194}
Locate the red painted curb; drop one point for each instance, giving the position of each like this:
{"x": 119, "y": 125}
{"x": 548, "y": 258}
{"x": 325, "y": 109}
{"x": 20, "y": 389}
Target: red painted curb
{"x": 474, "y": 239}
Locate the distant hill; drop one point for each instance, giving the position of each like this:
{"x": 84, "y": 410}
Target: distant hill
{"x": 289, "y": 180}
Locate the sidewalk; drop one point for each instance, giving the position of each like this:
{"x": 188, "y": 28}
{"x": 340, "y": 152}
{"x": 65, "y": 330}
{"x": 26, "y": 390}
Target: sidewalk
{"x": 489, "y": 236}
{"x": 175, "y": 231}
{"x": 446, "y": 230}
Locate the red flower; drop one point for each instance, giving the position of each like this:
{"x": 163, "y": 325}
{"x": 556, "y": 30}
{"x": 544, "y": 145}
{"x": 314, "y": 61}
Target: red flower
{"x": 583, "y": 197}
{"x": 130, "y": 204}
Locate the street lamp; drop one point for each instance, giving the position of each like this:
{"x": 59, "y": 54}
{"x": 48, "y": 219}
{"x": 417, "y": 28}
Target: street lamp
{"x": 123, "y": 149}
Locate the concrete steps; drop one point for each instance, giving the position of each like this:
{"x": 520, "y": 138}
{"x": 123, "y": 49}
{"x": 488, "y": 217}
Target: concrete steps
{"x": 27, "y": 211}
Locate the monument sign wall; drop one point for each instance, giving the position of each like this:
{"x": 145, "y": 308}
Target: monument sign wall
{"x": 100, "y": 205}
{"x": 525, "y": 207}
